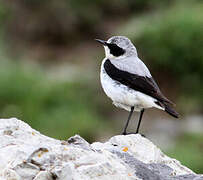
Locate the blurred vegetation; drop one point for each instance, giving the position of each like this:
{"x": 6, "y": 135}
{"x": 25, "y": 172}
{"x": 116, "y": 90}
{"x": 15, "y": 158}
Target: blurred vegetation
{"x": 168, "y": 35}
{"x": 188, "y": 151}
{"x": 56, "y": 108}
{"x": 67, "y": 22}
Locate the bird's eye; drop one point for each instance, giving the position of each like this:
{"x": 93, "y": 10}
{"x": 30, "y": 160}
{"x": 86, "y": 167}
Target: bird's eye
{"x": 116, "y": 50}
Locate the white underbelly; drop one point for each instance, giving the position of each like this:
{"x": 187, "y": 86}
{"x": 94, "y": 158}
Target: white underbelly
{"x": 125, "y": 97}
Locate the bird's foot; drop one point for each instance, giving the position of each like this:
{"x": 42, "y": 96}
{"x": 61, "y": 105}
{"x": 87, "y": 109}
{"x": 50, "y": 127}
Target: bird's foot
{"x": 125, "y": 133}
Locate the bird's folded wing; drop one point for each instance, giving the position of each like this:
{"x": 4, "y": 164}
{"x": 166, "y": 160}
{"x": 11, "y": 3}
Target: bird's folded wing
{"x": 144, "y": 84}
{"x": 132, "y": 65}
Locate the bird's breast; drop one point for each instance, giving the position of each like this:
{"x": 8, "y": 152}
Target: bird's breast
{"x": 115, "y": 90}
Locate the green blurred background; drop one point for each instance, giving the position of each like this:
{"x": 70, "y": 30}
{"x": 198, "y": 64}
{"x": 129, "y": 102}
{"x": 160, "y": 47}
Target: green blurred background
{"x": 49, "y": 68}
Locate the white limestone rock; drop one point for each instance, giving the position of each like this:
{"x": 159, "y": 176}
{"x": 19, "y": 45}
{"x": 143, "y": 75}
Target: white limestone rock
{"x": 25, "y": 154}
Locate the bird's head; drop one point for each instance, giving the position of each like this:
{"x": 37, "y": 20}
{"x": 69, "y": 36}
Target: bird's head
{"x": 118, "y": 47}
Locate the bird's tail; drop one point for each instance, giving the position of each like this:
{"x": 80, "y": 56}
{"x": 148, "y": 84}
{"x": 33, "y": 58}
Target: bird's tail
{"x": 170, "y": 110}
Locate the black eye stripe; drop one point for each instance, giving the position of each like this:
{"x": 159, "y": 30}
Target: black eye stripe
{"x": 115, "y": 50}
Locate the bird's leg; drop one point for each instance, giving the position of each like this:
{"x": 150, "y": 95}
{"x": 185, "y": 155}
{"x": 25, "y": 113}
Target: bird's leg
{"x": 138, "y": 126}
{"x": 140, "y": 119}
{"x": 126, "y": 125}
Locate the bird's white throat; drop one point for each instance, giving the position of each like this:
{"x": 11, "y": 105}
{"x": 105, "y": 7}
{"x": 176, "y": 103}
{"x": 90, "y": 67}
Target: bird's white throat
{"x": 108, "y": 54}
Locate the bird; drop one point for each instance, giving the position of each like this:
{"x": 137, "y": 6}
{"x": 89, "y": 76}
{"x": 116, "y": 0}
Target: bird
{"x": 127, "y": 81}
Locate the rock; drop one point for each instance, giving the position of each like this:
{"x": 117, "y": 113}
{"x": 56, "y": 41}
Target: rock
{"x": 25, "y": 154}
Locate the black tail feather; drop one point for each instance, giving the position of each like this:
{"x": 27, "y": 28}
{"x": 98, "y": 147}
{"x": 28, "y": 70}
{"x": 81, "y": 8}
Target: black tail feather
{"x": 171, "y": 111}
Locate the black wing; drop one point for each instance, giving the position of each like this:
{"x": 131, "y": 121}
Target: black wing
{"x": 143, "y": 84}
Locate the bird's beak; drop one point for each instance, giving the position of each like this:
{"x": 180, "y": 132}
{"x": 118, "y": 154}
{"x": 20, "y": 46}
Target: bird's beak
{"x": 104, "y": 43}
